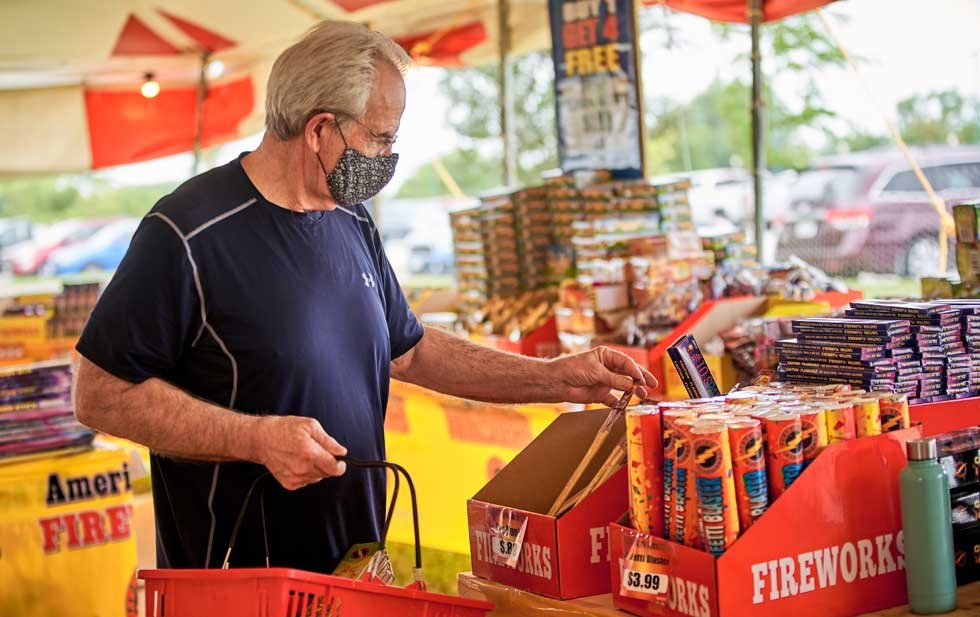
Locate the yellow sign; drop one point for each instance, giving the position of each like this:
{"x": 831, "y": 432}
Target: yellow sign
{"x": 452, "y": 448}
{"x": 66, "y": 544}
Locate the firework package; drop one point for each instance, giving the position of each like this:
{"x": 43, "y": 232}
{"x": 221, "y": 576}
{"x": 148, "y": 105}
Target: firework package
{"x": 959, "y": 454}
{"x": 925, "y": 350}
{"x": 725, "y": 459}
{"x": 35, "y": 410}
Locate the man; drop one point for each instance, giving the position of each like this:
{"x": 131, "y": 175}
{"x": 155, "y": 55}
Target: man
{"x": 255, "y": 322}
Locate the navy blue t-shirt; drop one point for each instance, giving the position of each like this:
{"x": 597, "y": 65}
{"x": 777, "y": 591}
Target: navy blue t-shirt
{"x": 266, "y": 311}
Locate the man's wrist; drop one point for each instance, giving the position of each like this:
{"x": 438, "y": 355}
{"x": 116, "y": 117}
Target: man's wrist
{"x": 250, "y": 448}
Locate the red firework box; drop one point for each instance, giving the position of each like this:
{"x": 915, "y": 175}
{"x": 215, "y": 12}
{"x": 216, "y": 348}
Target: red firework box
{"x": 564, "y": 556}
{"x": 850, "y": 559}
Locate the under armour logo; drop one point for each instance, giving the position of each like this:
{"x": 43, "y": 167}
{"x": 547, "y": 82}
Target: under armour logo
{"x": 368, "y": 279}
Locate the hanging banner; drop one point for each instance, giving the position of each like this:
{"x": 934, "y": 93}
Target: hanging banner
{"x": 596, "y": 87}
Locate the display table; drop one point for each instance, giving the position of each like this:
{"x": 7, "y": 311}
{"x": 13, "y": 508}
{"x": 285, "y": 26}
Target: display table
{"x": 512, "y": 602}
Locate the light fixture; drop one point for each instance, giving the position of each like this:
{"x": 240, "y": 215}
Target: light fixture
{"x": 150, "y": 87}
{"x": 214, "y": 70}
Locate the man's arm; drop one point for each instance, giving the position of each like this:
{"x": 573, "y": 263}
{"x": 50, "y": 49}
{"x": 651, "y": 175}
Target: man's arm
{"x": 168, "y": 420}
{"x": 451, "y": 365}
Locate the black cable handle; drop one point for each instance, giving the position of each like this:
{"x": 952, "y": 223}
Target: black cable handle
{"x": 353, "y": 462}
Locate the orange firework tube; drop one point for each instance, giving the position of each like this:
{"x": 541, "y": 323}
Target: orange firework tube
{"x": 784, "y": 451}
{"x": 867, "y": 416}
{"x": 670, "y": 417}
{"x": 645, "y": 460}
{"x": 742, "y": 397}
{"x": 840, "y": 422}
{"x": 749, "y": 465}
{"x": 813, "y": 432}
{"x": 894, "y": 412}
{"x": 686, "y": 524}
{"x": 715, "y": 483}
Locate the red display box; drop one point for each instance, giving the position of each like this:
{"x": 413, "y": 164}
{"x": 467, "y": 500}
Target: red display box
{"x": 831, "y": 545}
{"x": 936, "y": 418}
{"x": 541, "y": 343}
{"x": 561, "y": 557}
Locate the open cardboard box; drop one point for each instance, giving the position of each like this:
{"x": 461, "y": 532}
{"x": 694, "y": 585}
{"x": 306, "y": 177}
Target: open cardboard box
{"x": 831, "y": 545}
{"x": 564, "y": 557}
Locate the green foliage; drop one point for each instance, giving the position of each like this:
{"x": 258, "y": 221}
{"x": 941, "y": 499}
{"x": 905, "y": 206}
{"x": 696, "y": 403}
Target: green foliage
{"x": 474, "y": 114}
{"x": 940, "y": 117}
{"x": 474, "y": 172}
{"x": 46, "y": 199}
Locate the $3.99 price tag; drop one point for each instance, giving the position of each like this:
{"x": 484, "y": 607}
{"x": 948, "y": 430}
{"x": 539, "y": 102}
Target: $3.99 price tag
{"x": 643, "y": 583}
{"x": 646, "y": 568}
{"x": 507, "y": 528}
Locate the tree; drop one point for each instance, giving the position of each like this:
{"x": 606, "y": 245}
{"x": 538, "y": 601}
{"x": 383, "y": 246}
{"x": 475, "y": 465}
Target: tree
{"x": 940, "y": 117}
{"x": 475, "y": 113}
{"x": 475, "y": 173}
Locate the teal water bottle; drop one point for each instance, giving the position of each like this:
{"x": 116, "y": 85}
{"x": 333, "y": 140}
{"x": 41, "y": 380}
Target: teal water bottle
{"x": 928, "y": 530}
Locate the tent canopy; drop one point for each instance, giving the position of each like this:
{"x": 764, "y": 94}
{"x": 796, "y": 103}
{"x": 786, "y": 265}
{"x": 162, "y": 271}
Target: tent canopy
{"x": 737, "y": 10}
{"x": 71, "y": 101}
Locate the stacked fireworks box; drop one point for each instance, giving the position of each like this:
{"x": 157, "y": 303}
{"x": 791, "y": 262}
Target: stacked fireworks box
{"x": 499, "y": 235}
{"x": 970, "y": 323}
{"x": 469, "y": 260}
{"x": 35, "y": 410}
{"x": 532, "y": 225}
{"x": 862, "y": 352}
{"x": 946, "y": 370}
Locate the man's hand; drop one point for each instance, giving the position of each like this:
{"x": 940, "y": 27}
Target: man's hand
{"x": 591, "y": 376}
{"x": 296, "y": 450}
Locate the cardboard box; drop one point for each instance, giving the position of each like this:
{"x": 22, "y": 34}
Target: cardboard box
{"x": 831, "y": 545}
{"x": 965, "y": 220}
{"x": 565, "y": 557}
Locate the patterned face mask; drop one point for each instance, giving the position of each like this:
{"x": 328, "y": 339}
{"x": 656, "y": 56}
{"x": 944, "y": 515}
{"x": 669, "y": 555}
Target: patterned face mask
{"x": 357, "y": 178}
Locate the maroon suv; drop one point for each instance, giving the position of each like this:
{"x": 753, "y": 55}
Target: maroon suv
{"x": 867, "y": 211}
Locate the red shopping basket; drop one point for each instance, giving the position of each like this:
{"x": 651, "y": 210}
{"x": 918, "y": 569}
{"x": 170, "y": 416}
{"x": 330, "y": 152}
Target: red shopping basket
{"x": 282, "y": 592}
{"x": 285, "y": 592}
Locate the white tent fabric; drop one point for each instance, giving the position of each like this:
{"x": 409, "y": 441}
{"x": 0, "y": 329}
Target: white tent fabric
{"x": 69, "y": 70}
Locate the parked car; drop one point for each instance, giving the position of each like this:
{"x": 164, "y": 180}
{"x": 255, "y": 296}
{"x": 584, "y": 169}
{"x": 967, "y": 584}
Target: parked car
{"x": 102, "y": 251}
{"x": 13, "y": 230}
{"x": 867, "y": 211}
{"x": 29, "y": 256}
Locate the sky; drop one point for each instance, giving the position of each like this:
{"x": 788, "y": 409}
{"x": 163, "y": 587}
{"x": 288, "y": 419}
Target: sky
{"x": 907, "y": 47}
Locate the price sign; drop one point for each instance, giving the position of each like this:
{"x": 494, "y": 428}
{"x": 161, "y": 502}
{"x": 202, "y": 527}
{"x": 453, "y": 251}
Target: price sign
{"x": 507, "y": 528}
{"x": 645, "y": 569}
{"x": 643, "y": 583}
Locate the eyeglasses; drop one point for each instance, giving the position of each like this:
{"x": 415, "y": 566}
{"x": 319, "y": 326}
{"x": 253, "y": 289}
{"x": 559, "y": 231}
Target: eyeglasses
{"x": 383, "y": 141}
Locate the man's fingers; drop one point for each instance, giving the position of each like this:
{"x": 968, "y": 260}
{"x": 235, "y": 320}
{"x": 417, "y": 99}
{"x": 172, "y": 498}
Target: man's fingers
{"x": 622, "y": 364}
{"x": 327, "y": 442}
{"x": 326, "y": 464}
{"x": 649, "y": 379}
{"x": 610, "y": 399}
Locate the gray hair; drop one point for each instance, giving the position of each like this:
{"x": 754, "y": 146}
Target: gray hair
{"x": 332, "y": 68}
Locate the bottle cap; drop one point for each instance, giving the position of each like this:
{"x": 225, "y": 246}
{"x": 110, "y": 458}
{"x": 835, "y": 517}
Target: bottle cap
{"x": 922, "y": 449}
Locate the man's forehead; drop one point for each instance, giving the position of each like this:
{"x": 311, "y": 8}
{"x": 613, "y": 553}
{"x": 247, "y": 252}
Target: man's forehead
{"x": 387, "y": 100}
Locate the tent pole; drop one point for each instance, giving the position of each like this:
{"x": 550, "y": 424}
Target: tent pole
{"x": 758, "y": 150}
{"x": 202, "y": 92}
{"x": 506, "y": 92}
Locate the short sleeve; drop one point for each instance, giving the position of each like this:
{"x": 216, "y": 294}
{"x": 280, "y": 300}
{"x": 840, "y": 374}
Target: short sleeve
{"x": 404, "y": 329}
{"x": 145, "y": 319}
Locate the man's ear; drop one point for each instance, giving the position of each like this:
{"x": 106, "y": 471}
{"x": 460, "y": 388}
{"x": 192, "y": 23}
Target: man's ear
{"x": 316, "y": 129}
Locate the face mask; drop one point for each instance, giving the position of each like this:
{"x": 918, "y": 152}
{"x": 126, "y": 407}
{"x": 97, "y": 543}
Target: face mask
{"x": 357, "y": 178}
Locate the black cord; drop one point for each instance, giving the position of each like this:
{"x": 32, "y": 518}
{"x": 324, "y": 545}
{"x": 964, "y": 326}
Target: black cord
{"x": 353, "y": 462}
{"x": 241, "y": 515}
{"x": 396, "y": 469}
